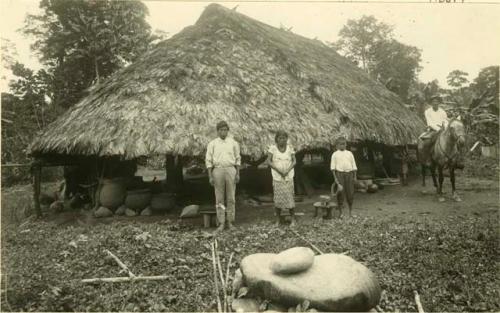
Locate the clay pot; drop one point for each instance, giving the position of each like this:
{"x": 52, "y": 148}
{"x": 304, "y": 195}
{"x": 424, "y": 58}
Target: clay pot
{"x": 138, "y": 199}
{"x": 112, "y": 193}
{"x": 372, "y": 188}
{"x": 163, "y": 202}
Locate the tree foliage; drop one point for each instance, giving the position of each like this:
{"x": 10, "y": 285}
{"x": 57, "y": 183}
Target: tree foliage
{"x": 396, "y": 65}
{"x": 25, "y": 112}
{"x": 359, "y": 37}
{"x": 457, "y": 78}
{"x": 370, "y": 44}
{"x": 82, "y": 41}
{"x": 486, "y": 80}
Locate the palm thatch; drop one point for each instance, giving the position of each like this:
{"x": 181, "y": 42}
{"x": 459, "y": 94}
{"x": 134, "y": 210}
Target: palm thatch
{"x": 230, "y": 67}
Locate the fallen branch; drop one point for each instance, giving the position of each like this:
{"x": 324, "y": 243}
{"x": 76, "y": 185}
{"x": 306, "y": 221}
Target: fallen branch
{"x": 474, "y": 146}
{"x": 123, "y": 279}
{"x": 219, "y": 267}
{"x": 120, "y": 263}
{"x": 307, "y": 241}
{"x": 228, "y": 266}
{"x": 219, "y": 307}
{"x": 419, "y": 304}
{"x": 6, "y": 293}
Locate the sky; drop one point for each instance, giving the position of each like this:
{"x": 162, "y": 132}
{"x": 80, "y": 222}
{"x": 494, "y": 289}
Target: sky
{"x": 451, "y": 36}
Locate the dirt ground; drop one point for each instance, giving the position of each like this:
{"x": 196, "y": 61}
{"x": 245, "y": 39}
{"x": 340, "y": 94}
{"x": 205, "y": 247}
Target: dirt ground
{"x": 480, "y": 197}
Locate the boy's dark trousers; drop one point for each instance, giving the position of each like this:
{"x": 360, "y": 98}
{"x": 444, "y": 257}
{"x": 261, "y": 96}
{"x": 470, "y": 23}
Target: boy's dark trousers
{"x": 346, "y": 179}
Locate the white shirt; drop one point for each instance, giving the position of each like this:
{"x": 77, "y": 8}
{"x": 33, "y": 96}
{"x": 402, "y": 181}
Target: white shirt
{"x": 343, "y": 161}
{"x": 223, "y": 153}
{"x": 282, "y": 161}
{"x": 436, "y": 118}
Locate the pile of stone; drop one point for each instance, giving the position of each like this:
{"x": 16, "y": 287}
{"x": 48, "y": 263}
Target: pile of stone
{"x": 281, "y": 282}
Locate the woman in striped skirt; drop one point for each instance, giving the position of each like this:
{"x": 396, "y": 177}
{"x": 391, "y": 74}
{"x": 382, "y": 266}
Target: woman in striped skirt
{"x": 281, "y": 160}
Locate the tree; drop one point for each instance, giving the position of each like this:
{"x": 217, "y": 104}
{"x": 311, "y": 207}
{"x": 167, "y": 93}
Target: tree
{"x": 8, "y": 54}
{"x": 483, "y": 110}
{"x": 370, "y": 44}
{"x": 82, "y": 41}
{"x": 457, "y": 78}
{"x": 30, "y": 91}
{"x": 396, "y": 65}
{"x": 486, "y": 80}
{"x": 358, "y": 37}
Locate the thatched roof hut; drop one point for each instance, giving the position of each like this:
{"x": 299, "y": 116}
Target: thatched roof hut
{"x": 230, "y": 67}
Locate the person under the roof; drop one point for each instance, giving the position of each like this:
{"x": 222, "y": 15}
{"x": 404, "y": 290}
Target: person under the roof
{"x": 437, "y": 120}
{"x": 281, "y": 160}
{"x": 223, "y": 162}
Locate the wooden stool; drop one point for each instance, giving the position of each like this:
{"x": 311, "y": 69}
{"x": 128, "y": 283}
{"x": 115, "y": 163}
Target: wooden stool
{"x": 324, "y": 207}
{"x": 208, "y": 215}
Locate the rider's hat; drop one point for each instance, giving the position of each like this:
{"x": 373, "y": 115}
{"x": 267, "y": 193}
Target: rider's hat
{"x": 436, "y": 97}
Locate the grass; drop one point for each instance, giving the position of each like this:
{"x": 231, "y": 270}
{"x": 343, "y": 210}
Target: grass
{"x": 452, "y": 263}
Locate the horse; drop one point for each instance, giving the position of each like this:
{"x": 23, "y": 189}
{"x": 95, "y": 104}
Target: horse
{"x": 445, "y": 153}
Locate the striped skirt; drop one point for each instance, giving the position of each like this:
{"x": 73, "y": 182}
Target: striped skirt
{"x": 283, "y": 194}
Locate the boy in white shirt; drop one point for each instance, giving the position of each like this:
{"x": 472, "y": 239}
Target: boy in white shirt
{"x": 343, "y": 167}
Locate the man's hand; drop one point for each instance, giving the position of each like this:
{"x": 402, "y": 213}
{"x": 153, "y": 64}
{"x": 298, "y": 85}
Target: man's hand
{"x": 237, "y": 177}
{"x": 211, "y": 180}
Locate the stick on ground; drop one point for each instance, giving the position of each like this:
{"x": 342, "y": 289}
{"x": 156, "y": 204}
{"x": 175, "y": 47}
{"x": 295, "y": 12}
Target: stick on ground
{"x": 120, "y": 263}
{"x": 228, "y": 266}
{"x": 123, "y": 279}
{"x": 419, "y": 304}
{"x": 307, "y": 241}
{"x": 219, "y": 267}
{"x": 219, "y": 306}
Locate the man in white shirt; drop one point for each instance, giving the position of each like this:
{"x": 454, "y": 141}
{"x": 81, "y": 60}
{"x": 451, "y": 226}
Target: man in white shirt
{"x": 435, "y": 116}
{"x": 223, "y": 164}
{"x": 344, "y": 169}
{"x": 436, "y": 119}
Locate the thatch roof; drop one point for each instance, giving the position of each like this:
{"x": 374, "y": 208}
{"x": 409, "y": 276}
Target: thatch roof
{"x": 230, "y": 67}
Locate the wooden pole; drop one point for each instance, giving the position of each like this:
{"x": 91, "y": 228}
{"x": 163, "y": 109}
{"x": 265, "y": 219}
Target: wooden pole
{"x": 16, "y": 165}
{"x": 36, "y": 172}
{"x": 302, "y": 182}
{"x": 170, "y": 171}
{"x": 179, "y": 177}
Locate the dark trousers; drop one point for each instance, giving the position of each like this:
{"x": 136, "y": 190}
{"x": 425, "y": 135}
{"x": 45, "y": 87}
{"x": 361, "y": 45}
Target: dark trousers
{"x": 346, "y": 179}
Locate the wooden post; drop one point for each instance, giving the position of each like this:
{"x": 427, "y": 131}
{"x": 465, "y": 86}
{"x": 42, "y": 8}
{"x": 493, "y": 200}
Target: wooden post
{"x": 36, "y": 172}
{"x": 179, "y": 177}
{"x": 302, "y": 183}
{"x": 175, "y": 179}
{"x": 387, "y": 159}
{"x": 170, "y": 169}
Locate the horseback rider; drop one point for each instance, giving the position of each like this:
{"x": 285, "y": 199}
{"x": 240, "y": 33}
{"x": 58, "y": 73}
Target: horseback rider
{"x": 437, "y": 120}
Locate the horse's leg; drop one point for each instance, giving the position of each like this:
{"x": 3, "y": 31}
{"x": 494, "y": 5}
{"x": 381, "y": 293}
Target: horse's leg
{"x": 433, "y": 174}
{"x": 423, "y": 174}
{"x": 453, "y": 189}
{"x": 440, "y": 183}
